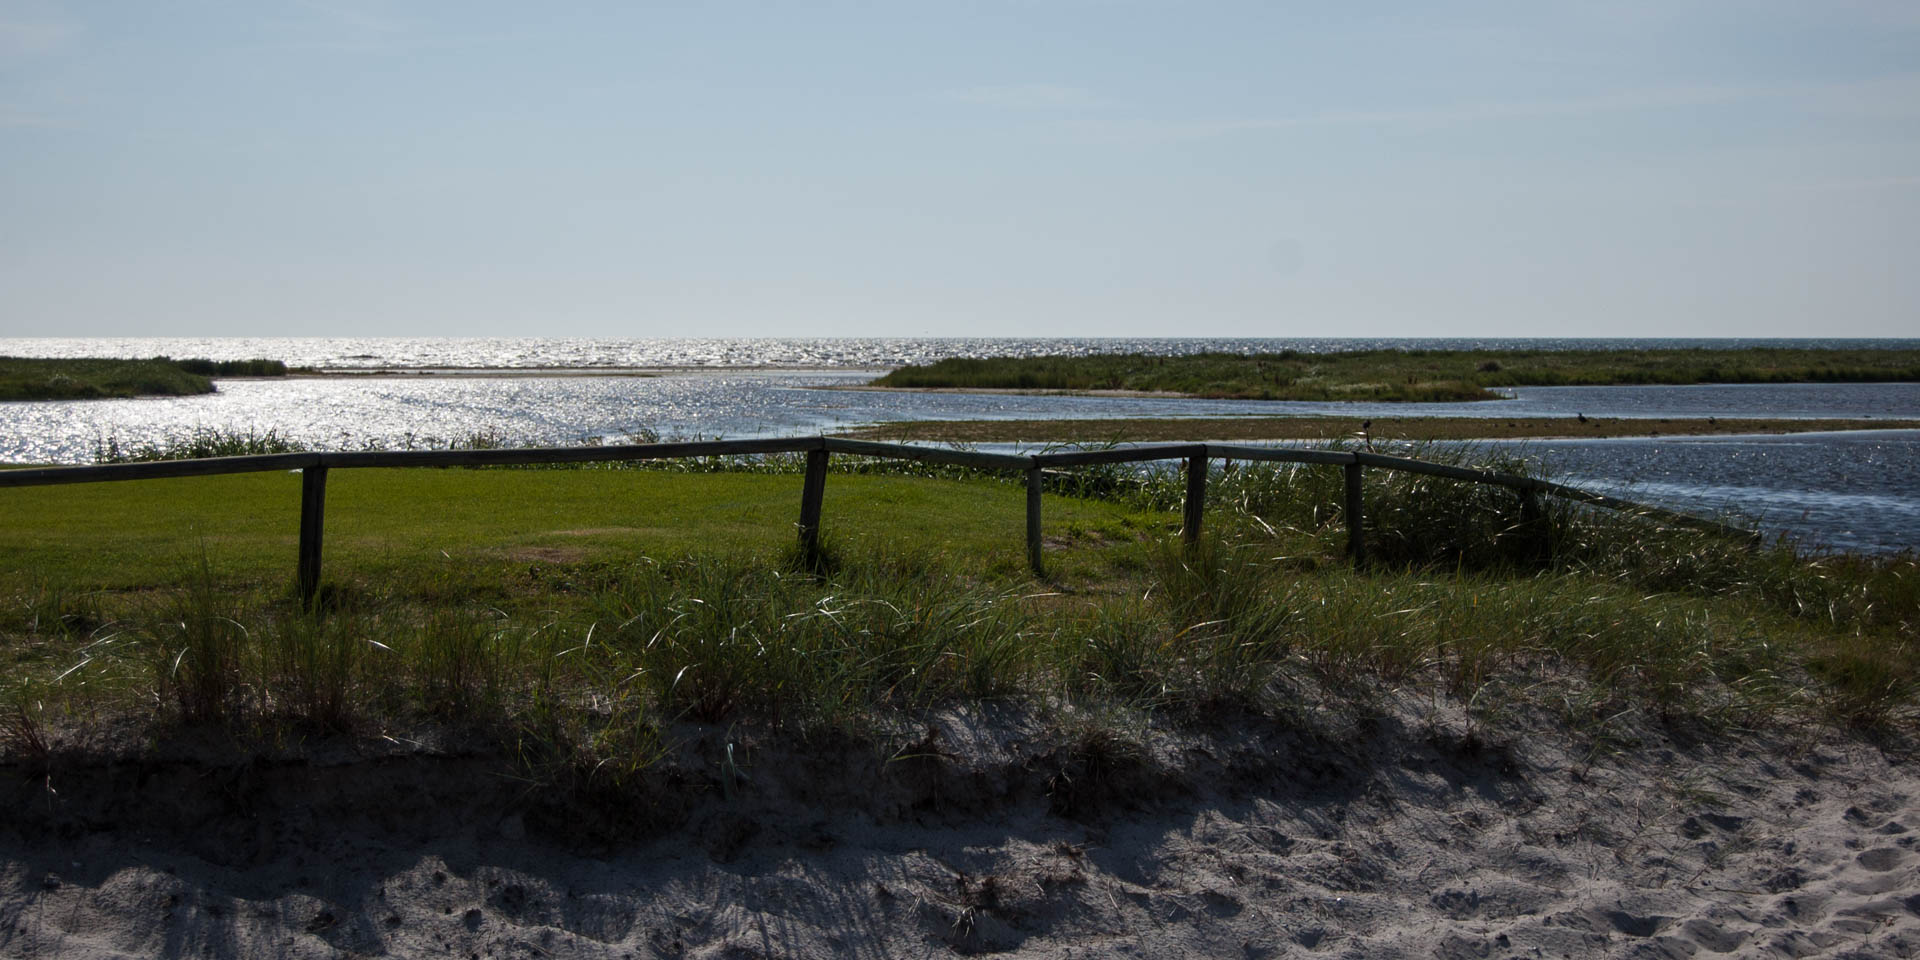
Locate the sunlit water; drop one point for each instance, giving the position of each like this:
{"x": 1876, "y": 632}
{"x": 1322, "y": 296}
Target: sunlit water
{"x": 1849, "y": 491}
{"x": 707, "y": 352}
{"x": 1852, "y": 491}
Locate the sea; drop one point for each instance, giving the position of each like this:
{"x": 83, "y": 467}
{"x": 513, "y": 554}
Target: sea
{"x": 1857, "y": 490}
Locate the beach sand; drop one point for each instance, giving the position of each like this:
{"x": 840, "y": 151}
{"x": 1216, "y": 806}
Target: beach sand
{"x": 1404, "y": 829}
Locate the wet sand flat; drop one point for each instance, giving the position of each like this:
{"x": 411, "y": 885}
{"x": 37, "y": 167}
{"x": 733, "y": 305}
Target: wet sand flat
{"x": 1331, "y": 428}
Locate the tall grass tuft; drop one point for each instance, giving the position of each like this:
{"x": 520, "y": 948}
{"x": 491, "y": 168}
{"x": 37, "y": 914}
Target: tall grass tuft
{"x": 1232, "y": 624}
{"x": 200, "y": 650}
{"x": 460, "y": 660}
{"x": 315, "y": 668}
{"x": 201, "y": 442}
{"x": 713, "y": 639}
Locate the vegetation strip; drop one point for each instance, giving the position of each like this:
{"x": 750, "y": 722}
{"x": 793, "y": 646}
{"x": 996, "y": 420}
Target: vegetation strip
{"x": 1397, "y": 375}
{"x": 37, "y": 378}
{"x": 315, "y": 466}
{"x": 570, "y": 618}
{"x": 1145, "y": 430}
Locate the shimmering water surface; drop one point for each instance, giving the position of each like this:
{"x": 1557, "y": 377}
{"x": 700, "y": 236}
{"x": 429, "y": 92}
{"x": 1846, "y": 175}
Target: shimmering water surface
{"x": 1853, "y": 491}
{"x": 393, "y": 411}
{"x": 574, "y": 353}
{"x": 1849, "y": 491}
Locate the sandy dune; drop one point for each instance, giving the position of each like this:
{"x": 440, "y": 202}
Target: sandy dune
{"x": 1392, "y": 834}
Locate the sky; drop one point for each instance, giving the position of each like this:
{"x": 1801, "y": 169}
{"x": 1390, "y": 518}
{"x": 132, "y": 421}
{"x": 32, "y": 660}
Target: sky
{"x": 917, "y": 168}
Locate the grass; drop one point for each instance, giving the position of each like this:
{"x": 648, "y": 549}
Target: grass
{"x": 573, "y": 616}
{"x": 83, "y": 378}
{"x": 1409, "y": 375}
{"x": 479, "y": 527}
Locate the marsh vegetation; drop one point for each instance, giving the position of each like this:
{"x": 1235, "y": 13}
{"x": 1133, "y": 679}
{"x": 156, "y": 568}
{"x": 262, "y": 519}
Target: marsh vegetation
{"x": 1403, "y": 375}
{"x": 81, "y": 378}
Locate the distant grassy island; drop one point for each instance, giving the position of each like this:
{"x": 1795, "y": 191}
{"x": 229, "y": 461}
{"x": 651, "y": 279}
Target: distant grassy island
{"x": 84, "y": 378}
{"x": 1403, "y": 375}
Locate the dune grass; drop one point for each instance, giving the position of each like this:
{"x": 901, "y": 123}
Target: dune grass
{"x": 1403, "y": 375}
{"x": 83, "y": 378}
{"x": 575, "y": 615}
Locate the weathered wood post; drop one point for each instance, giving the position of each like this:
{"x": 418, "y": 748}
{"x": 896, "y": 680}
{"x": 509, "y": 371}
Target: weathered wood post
{"x": 1196, "y": 506}
{"x": 1532, "y": 518}
{"x": 313, "y": 508}
{"x": 1033, "y": 521}
{"x": 811, "y": 491}
{"x": 1356, "y": 517}
{"x": 1533, "y": 524}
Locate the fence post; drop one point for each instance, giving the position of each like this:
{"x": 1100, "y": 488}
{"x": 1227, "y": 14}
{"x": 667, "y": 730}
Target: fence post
{"x": 811, "y": 491}
{"x": 1033, "y": 521}
{"x": 1356, "y": 517}
{"x": 1533, "y": 524}
{"x": 1530, "y": 514}
{"x": 313, "y": 508}
{"x": 1196, "y": 506}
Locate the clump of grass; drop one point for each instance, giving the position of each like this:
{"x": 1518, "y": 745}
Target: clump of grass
{"x": 201, "y": 442}
{"x": 1229, "y": 631}
{"x": 315, "y": 668}
{"x": 717, "y": 638}
{"x": 1098, "y": 766}
{"x": 459, "y": 660}
{"x": 1415, "y": 520}
{"x": 49, "y": 609}
{"x": 1867, "y": 681}
{"x": 234, "y": 442}
{"x": 198, "y": 652}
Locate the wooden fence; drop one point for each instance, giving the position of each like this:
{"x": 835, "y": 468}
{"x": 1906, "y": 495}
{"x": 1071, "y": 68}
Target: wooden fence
{"x": 314, "y": 468}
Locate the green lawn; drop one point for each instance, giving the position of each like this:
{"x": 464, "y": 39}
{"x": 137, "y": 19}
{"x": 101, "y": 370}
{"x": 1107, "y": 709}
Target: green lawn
{"x": 386, "y": 524}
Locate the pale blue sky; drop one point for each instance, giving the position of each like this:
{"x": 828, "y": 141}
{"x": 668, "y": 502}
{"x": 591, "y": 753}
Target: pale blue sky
{"x": 1047, "y": 167}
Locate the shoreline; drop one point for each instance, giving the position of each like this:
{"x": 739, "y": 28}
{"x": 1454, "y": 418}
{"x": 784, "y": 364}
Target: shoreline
{"x": 330, "y": 373}
{"x": 1132, "y": 430}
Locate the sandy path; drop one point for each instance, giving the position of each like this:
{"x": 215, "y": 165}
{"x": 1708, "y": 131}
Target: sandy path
{"x": 1394, "y": 836}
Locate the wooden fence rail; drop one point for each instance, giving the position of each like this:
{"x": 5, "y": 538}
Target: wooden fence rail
{"x": 1198, "y": 456}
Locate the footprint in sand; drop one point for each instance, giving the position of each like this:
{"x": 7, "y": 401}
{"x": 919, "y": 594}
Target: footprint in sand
{"x": 1875, "y": 873}
{"x": 1712, "y": 936}
{"x": 1881, "y": 859}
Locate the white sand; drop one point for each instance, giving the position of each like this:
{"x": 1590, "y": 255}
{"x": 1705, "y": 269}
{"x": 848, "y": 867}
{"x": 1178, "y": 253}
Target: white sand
{"x": 1391, "y": 837}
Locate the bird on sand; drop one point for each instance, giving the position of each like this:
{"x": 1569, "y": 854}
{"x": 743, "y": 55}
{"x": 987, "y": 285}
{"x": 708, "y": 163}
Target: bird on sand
{"x": 1582, "y": 416}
